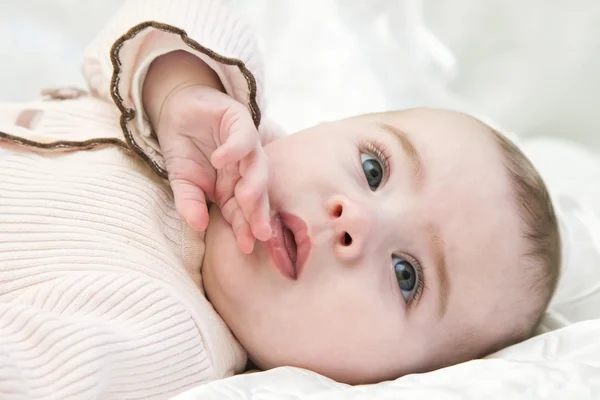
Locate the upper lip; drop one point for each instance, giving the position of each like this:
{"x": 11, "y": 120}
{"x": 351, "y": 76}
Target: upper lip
{"x": 300, "y": 231}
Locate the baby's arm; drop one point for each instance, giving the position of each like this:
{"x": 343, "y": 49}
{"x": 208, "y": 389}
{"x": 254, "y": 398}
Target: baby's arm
{"x": 118, "y": 67}
{"x": 173, "y": 71}
{"x": 95, "y": 332}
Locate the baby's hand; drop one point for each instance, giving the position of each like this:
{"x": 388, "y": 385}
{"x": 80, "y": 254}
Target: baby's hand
{"x": 242, "y": 177}
{"x": 213, "y": 150}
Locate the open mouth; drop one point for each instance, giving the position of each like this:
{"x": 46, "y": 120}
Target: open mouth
{"x": 289, "y": 247}
{"x": 290, "y": 243}
{"x": 282, "y": 247}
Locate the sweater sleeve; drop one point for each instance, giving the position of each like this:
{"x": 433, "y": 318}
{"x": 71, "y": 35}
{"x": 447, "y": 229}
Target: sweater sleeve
{"x": 98, "y": 335}
{"x": 117, "y": 61}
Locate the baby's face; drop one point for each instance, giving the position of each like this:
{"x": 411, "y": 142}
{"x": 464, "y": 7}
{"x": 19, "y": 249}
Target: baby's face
{"x": 405, "y": 225}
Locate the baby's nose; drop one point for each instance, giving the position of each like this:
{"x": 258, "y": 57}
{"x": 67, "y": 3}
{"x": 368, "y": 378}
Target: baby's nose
{"x": 352, "y": 225}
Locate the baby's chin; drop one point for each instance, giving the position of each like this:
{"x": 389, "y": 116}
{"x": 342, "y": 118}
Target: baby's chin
{"x": 219, "y": 241}
{"x": 219, "y": 229}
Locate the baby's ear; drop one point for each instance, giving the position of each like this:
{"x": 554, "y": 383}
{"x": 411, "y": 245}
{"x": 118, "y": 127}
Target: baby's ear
{"x": 270, "y": 131}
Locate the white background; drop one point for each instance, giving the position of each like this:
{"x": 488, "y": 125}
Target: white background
{"x": 533, "y": 66}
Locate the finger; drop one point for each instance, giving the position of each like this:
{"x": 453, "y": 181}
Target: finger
{"x": 252, "y": 195}
{"x": 190, "y": 204}
{"x": 241, "y": 137}
{"x": 232, "y": 212}
{"x": 234, "y": 150}
{"x": 190, "y": 181}
{"x": 261, "y": 221}
{"x": 262, "y": 215}
{"x": 226, "y": 180}
{"x": 245, "y": 240}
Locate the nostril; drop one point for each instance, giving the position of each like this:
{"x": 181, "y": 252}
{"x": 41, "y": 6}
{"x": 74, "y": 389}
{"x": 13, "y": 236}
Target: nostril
{"x": 337, "y": 211}
{"x": 347, "y": 240}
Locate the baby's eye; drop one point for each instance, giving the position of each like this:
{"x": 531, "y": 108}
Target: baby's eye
{"x": 406, "y": 275}
{"x": 372, "y": 169}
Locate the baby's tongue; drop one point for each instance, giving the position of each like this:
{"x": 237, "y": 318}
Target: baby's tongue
{"x": 290, "y": 243}
{"x": 283, "y": 233}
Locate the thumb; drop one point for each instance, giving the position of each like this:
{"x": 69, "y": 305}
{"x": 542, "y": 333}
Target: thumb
{"x": 239, "y": 137}
{"x": 190, "y": 203}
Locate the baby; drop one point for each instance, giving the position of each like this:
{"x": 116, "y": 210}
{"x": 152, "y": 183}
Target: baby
{"x": 362, "y": 249}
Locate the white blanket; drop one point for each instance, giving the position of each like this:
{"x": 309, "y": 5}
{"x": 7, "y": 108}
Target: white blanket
{"x": 560, "y": 365}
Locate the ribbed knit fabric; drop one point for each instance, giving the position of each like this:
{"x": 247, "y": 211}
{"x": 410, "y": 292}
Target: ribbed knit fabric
{"x": 100, "y": 287}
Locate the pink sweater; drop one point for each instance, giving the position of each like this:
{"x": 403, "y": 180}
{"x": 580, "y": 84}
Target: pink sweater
{"x": 100, "y": 285}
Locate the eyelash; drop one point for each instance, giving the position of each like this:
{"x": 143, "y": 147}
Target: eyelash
{"x": 381, "y": 152}
{"x": 420, "y": 285}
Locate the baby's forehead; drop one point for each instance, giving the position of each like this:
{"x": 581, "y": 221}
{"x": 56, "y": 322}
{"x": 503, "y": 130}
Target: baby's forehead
{"x": 480, "y": 231}
{"x": 467, "y": 192}
{"x": 441, "y": 125}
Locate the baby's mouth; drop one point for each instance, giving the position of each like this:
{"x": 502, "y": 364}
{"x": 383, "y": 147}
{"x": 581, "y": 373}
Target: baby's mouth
{"x": 290, "y": 243}
{"x": 282, "y": 247}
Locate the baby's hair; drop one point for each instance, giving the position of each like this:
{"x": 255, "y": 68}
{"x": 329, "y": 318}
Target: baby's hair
{"x": 542, "y": 260}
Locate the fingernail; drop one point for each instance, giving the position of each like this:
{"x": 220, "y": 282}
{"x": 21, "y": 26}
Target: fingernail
{"x": 215, "y": 161}
{"x": 263, "y": 232}
{"x": 266, "y": 232}
{"x": 246, "y": 246}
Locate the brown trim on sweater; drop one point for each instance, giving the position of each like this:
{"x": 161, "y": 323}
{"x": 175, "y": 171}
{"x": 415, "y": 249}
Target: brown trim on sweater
{"x": 127, "y": 114}
{"x": 63, "y": 93}
{"x": 65, "y": 144}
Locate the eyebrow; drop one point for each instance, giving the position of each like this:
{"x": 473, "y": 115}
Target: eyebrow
{"x": 441, "y": 268}
{"x": 411, "y": 151}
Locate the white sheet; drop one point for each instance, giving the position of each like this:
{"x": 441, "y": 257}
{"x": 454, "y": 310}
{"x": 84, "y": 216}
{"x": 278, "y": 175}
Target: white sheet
{"x": 560, "y": 365}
